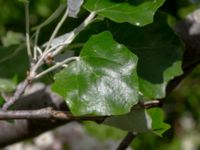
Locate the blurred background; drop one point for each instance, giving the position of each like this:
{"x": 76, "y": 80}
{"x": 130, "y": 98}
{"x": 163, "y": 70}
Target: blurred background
{"x": 181, "y": 107}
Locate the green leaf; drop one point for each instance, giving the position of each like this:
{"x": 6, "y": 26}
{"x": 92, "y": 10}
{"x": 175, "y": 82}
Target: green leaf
{"x": 159, "y": 51}
{"x": 140, "y": 120}
{"x": 158, "y": 126}
{"x": 137, "y": 120}
{"x": 7, "y": 85}
{"x": 2, "y": 101}
{"x": 138, "y": 12}
{"x": 158, "y": 48}
{"x": 103, "y": 132}
{"x": 103, "y": 81}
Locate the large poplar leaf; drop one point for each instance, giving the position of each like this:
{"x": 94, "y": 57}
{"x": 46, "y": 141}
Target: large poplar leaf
{"x": 158, "y": 48}
{"x": 139, "y": 12}
{"x": 103, "y": 81}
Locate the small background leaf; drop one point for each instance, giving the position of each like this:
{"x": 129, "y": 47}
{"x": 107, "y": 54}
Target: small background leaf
{"x": 51, "y": 18}
{"x": 103, "y": 81}
{"x": 158, "y": 126}
{"x": 12, "y": 38}
{"x": 137, "y": 120}
{"x": 7, "y": 85}
{"x": 139, "y": 12}
{"x": 103, "y": 132}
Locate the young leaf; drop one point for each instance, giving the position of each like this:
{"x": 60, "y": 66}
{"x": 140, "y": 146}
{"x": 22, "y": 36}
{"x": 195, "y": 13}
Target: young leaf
{"x": 74, "y": 7}
{"x": 137, "y": 120}
{"x": 137, "y": 13}
{"x": 103, "y": 81}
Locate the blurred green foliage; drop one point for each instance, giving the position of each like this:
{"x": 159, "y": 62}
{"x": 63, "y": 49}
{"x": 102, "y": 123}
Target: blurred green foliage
{"x": 182, "y": 107}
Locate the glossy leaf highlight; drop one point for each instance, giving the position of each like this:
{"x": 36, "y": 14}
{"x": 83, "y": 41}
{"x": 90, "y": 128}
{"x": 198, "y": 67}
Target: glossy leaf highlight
{"x": 103, "y": 81}
{"x": 138, "y": 13}
{"x": 158, "y": 48}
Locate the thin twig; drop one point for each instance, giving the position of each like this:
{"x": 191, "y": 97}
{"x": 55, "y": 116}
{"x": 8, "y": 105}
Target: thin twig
{"x": 37, "y": 65}
{"x": 59, "y": 64}
{"x": 87, "y": 21}
{"x": 35, "y": 44}
{"x": 56, "y": 29}
{"x": 26, "y": 4}
{"x": 38, "y": 50}
{"x": 127, "y": 141}
{"x": 150, "y": 104}
{"x": 55, "y": 15}
{"x": 46, "y": 51}
{"x": 42, "y": 113}
{"x": 18, "y": 93}
{"x": 75, "y": 32}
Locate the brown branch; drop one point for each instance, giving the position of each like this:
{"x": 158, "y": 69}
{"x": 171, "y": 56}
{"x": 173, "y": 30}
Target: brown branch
{"x": 49, "y": 118}
{"x": 50, "y": 113}
{"x": 127, "y": 141}
{"x": 46, "y": 113}
{"x": 20, "y": 130}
